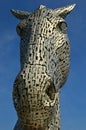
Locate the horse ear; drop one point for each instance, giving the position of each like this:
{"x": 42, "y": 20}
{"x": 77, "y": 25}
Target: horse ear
{"x": 64, "y": 11}
{"x": 20, "y": 14}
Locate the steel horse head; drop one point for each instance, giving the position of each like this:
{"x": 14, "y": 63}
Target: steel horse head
{"x": 45, "y": 62}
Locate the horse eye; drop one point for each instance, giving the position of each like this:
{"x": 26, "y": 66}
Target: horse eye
{"x": 50, "y": 90}
{"x": 62, "y": 26}
{"x": 20, "y": 30}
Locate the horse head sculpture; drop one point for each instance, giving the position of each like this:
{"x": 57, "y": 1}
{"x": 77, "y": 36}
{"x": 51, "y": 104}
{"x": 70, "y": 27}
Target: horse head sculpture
{"x": 45, "y": 62}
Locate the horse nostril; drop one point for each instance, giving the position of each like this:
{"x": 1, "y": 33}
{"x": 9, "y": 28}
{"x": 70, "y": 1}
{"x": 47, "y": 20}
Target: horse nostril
{"x": 50, "y": 90}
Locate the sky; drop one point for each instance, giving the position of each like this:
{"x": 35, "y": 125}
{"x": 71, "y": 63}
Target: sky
{"x": 73, "y": 93}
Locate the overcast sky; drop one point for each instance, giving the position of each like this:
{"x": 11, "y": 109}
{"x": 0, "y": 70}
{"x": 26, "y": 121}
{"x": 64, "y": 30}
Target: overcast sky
{"x": 73, "y": 94}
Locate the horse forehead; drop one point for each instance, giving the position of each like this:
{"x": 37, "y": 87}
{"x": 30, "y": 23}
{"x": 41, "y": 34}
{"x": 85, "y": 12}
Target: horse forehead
{"x": 41, "y": 14}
